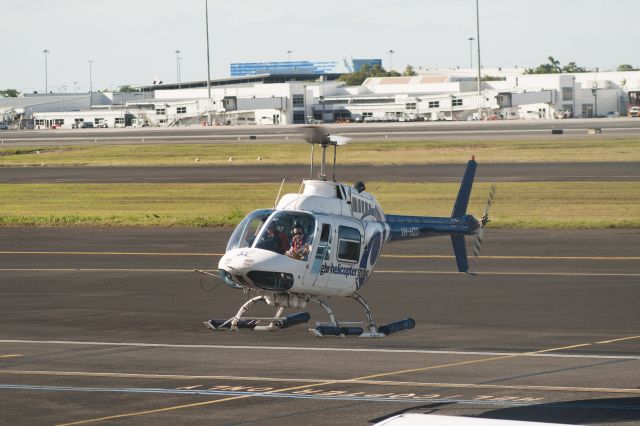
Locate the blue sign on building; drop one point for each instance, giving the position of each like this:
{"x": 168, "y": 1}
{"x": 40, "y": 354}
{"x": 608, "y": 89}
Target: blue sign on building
{"x": 294, "y": 67}
{"x": 358, "y": 63}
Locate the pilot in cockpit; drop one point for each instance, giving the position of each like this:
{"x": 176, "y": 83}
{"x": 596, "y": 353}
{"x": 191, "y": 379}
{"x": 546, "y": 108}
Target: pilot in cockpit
{"x": 300, "y": 246}
{"x": 278, "y": 239}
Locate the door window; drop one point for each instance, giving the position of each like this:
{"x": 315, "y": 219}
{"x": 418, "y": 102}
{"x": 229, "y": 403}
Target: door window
{"x": 348, "y": 244}
{"x": 324, "y": 248}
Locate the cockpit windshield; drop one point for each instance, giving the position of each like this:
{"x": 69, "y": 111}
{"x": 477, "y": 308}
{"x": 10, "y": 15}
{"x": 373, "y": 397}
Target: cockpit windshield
{"x": 289, "y": 233}
{"x": 245, "y": 233}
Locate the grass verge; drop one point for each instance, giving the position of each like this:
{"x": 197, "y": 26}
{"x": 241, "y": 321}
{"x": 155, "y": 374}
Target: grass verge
{"x": 292, "y": 152}
{"x": 517, "y": 205}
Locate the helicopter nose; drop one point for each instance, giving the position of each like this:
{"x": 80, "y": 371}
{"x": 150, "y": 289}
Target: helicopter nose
{"x": 234, "y": 265}
{"x": 261, "y": 268}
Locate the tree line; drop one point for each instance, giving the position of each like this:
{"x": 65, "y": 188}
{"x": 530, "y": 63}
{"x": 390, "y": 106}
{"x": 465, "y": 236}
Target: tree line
{"x": 358, "y": 77}
{"x": 553, "y": 67}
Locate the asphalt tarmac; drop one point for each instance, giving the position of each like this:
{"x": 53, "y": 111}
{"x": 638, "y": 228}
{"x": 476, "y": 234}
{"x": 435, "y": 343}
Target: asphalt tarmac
{"x": 494, "y": 130}
{"x": 105, "y": 326}
{"x": 506, "y": 172}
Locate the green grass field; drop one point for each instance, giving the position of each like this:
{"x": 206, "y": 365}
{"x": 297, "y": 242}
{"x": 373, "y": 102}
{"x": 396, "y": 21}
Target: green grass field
{"x": 518, "y": 205}
{"x": 295, "y": 152}
{"x": 521, "y": 205}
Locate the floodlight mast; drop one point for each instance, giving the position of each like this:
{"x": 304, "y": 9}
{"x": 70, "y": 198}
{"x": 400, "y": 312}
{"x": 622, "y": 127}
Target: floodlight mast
{"x": 480, "y": 102}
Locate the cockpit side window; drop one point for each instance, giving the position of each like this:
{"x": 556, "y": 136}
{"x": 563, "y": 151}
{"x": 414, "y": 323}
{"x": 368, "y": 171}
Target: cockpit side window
{"x": 289, "y": 233}
{"x": 245, "y": 233}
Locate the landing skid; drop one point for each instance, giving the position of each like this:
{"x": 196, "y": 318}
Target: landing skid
{"x": 346, "y": 329}
{"x": 238, "y": 322}
{"x": 333, "y": 328}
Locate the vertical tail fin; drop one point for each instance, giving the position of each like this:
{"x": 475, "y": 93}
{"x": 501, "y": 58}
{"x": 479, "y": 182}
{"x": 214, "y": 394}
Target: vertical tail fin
{"x": 460, "y": 207}
{"x": 459, "y": 210}
{"x": 460, "y": 250}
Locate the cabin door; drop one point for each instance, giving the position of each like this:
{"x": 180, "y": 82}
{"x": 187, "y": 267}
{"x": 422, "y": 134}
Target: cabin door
{"x": 320, "y": 256}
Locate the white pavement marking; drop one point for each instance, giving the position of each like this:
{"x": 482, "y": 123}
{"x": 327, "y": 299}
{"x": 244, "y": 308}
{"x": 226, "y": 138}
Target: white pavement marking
{"x": 389, "y": 383}
{"x": 321, "y": 349}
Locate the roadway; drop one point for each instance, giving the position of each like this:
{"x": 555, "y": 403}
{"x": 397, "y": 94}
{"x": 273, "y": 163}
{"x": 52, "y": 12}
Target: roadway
{"x": 489, "y": 172}
{"x": 495, "y": 130}
{"x": 107, "y": 324}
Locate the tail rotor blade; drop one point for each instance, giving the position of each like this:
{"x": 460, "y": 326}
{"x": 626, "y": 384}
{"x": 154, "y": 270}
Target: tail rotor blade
{"x": 492, "y": 194}
{"x": 477, "y": 245}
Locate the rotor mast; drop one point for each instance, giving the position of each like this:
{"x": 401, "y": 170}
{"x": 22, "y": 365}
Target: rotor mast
{"x": 316, "y": 135}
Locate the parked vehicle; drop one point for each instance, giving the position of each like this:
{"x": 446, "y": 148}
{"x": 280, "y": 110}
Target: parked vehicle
{"x": 634, "y": 111}
{"x": 4, "y": 126}
{"x": 86, "y": 125}
{"x": 565, "y": 113}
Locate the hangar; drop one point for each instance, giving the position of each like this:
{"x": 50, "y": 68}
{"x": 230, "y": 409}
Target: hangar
{"x": 299, "y": 98}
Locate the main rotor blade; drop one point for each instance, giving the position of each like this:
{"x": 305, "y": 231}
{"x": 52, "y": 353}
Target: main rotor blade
{"x": 339, "y": 140}
{"x": 315, "y": 135}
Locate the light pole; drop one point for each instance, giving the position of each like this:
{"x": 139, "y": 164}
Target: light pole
{"x": 595, "y": 92}
{"x": 471, "y": 39}
{"x": 206, "y": 11}
{"x": 322, "y": 97}
{"x": 46, "y": 72}
{"x": 90, "y": 83}
{"x": 289, "y": 52}
{"x": 390, "y": 52}
{"x": 178, "y": 57}
{"x": 480, "y": 102}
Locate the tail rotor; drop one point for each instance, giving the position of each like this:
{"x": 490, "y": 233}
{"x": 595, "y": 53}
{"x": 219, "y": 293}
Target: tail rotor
{"x": 483, "y": 222}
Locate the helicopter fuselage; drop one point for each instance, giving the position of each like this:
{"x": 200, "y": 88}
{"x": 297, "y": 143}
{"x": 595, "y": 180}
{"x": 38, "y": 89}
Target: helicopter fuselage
{"x": 326, "y": 241}
{"x": 344, "y": 231}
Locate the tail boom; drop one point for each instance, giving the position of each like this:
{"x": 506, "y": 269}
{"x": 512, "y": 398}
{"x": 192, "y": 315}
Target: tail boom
{"x": 457, "y": 226}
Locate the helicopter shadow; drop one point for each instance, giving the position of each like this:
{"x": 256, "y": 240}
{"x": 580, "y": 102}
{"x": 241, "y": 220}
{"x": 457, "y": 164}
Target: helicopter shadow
{"x": 607, "y": 410}
{"x": 584, "y": 411}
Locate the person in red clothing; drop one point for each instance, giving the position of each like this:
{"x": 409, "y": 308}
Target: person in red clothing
{"x": 299, "y": 244}
{"x": 279, "y": 239}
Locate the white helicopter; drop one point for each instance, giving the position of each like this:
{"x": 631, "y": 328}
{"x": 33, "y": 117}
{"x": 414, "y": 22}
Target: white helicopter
{"x": 337, "y": 233}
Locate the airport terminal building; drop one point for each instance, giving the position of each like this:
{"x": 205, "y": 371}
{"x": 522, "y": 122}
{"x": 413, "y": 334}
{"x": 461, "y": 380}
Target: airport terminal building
{"x": 308, "y": 96}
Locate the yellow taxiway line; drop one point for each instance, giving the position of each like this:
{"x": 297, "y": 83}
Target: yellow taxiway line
{"x": 10, "y": 356}
{"x": 118, "y": 375}
{"x": 331, "y": 382}
{"x": 406, "y": 272}
{"x": 390, "y": 256}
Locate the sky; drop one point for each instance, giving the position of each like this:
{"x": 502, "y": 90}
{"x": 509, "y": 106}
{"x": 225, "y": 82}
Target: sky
{"x": 133, "y": 41}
